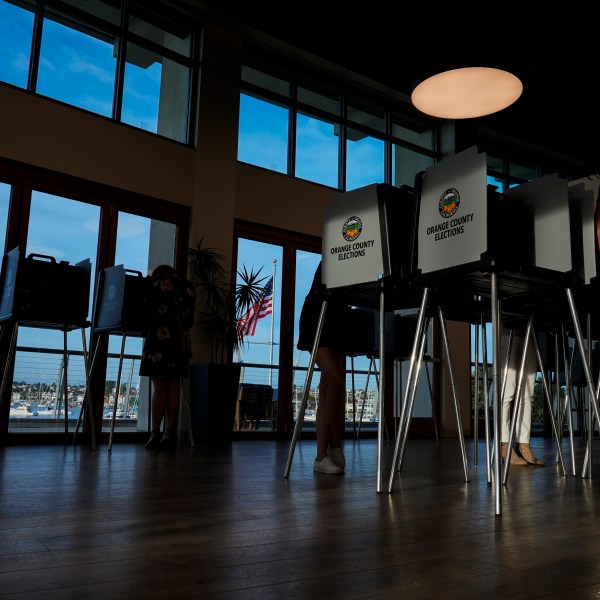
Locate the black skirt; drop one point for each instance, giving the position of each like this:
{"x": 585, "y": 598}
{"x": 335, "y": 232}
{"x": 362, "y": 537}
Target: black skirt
{"x": 335, "y": 325}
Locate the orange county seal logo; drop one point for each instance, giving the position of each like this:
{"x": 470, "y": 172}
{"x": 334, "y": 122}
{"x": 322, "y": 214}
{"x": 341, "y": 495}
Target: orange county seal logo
{"x": 449, "y": 203}
{"x": 352, "y": 228}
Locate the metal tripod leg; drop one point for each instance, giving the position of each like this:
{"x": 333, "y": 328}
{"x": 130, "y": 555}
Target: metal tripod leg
{"x": 188, "y": 411}
{"x": 496, "y": 394}
{"x": 566, "y": 411}
{"x": 381, "y": 393}
{"x": 65, "y": 385}
{"x": 461, "y": 437}
{"x": 409, "y": 383}
{"x": 408, "y": 406}
{"x": 117, "y": 390}
{"x": 530, "y": 338}
{"x": 486, "y": 403}
{"x": 593, "y": 397}
{"x": 476, "y": 398}
{"x": 309, "y": 374}
{"x": 492, "y": 453}
{"x": 433, "y": 411}
{"x": 86, "y": 405}
{"x": 372, "y": 369}
{"x": 587, "y": 465}
{"x": 353, "y": 393}
{"x": 517, "y": 398}
{"x": 548, "y": 397}
{"x": 10, "y": 358}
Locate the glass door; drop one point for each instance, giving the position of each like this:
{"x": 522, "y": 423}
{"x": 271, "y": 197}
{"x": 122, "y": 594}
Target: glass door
{"x": 48, "y": 384}
{"x": 142, "y": 244}
{"x": 362, "y": 368}
{"x": 259, "y": 354}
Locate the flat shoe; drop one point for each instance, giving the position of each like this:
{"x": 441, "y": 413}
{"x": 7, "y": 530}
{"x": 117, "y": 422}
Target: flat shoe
{"x": 167, "y": 444}
{"x": 326, "y": 465}
{"x": 337, "y": 456}
{"x": 152, "y": 443}
{"x": 526, "y": 453}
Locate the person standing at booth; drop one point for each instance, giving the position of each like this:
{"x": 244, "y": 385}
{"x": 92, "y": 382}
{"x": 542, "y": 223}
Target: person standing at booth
{"x": 522, "y": 453}
{"x": 331, "y": 360}
{"x": 170, "y": 306}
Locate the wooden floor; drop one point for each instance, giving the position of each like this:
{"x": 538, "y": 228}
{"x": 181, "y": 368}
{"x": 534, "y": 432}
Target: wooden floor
{"x": 224, "y": 523}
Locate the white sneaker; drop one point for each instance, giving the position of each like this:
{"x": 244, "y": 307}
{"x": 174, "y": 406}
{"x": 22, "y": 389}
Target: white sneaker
{"x": 326, "y": 465}
{"x": 337, "y": 456}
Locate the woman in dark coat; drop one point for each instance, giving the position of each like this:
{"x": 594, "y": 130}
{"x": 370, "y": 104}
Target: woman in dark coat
{"x": 331, "y": 360}
{"x": 170, "y": 307}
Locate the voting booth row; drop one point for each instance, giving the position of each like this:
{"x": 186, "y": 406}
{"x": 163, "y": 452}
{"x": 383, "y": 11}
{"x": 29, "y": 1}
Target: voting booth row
{"x": 39, "y": 291}
{"x": 454, "y": 247}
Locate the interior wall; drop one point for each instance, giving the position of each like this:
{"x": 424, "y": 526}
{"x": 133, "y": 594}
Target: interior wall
{"x": 51, "y": 135}
{"x": 280, "y": 201}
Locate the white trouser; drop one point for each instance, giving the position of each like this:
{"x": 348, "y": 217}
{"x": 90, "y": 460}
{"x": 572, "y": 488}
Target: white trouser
{"x": 523, "y": 421}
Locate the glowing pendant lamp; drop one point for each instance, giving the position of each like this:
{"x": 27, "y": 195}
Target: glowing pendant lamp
{"x": 466, "y": 93}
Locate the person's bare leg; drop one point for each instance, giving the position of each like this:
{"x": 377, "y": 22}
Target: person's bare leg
{"x": 158, "y": 406}
{"x": 331, "y": 400}
{"x": 172, "y": 407}
{"x": 159, "y": 401}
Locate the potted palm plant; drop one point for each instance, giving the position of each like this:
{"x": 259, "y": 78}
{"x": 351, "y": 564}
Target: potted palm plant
{"x": 220, "y": 307}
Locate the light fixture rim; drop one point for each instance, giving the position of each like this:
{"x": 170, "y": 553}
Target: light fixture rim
{"x": 429, "y": 94}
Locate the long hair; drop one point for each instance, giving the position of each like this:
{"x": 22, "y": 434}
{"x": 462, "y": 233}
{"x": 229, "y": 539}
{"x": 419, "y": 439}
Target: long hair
{"x": 164, "y": 271}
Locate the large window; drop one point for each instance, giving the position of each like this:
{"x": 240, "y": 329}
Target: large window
{"x": 52, "y": 362}
{"x": 141, "y": 75}
{"x": 270, "y": 356}
{"x": 263, "y": 134}
{"x": 309, "y": 126}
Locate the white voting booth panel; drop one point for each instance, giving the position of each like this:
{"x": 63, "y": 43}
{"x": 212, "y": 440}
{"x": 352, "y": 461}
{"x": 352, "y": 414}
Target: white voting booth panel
{"x": 362, "y": 235}
{"x": 583, "y": 199}
{"x": 461, "y": 222}
{"x": 534, "y": 222}
{"x": 453, "y": 212}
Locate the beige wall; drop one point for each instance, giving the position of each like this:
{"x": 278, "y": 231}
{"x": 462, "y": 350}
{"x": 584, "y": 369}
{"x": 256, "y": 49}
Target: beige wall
{"x": 280, "y": 201}
{"x": 47, "y": 134}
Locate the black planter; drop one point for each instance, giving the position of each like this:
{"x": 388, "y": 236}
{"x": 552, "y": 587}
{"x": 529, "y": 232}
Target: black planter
{"x": 213, "y": 395}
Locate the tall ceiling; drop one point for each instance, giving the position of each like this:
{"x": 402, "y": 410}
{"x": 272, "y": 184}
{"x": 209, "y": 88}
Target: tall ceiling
{"x": 392, "y": 44}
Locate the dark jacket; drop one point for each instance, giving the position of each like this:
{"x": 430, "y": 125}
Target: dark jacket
{"x": 169, "y": 306}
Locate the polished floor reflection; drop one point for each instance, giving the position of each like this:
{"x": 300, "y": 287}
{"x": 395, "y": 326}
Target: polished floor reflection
{"x": 224, "y": 523}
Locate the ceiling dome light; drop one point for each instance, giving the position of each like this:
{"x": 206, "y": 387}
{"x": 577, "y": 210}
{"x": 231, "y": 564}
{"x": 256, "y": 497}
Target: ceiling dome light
{"x": 466, "y": 93}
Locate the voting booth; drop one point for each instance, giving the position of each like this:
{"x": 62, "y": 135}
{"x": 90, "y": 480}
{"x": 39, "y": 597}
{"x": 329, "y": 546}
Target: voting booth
{"x": 119, "y": 309}
{"x": 368, "y": 236}
{"x": 467, "y": 230}
{"x": 121, "y": 295}
{"x": 572, "y": 317}
{"x": 583, "y": 204}
{"x": 368, "y": 256}
{"x": 504, "y": 249}
{"x": 39, "y": 291}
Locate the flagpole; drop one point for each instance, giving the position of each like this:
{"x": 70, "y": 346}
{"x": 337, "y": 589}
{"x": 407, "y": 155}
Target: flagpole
{"x": 272, "y": 325}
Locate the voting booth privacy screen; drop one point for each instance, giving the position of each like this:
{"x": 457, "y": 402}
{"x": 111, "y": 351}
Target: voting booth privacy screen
{"x": 583, "y": 205}
{"x": 368, "y": 234}
{"x": 39, "y": 289}
{"x": 534, "y": 226}
{"x": 453, "y": 212}
{"x": 463, "y": 220}
{"x": 120, "y": 301}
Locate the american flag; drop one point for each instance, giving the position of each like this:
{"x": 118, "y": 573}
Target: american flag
{"x": 263, "y": 307}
